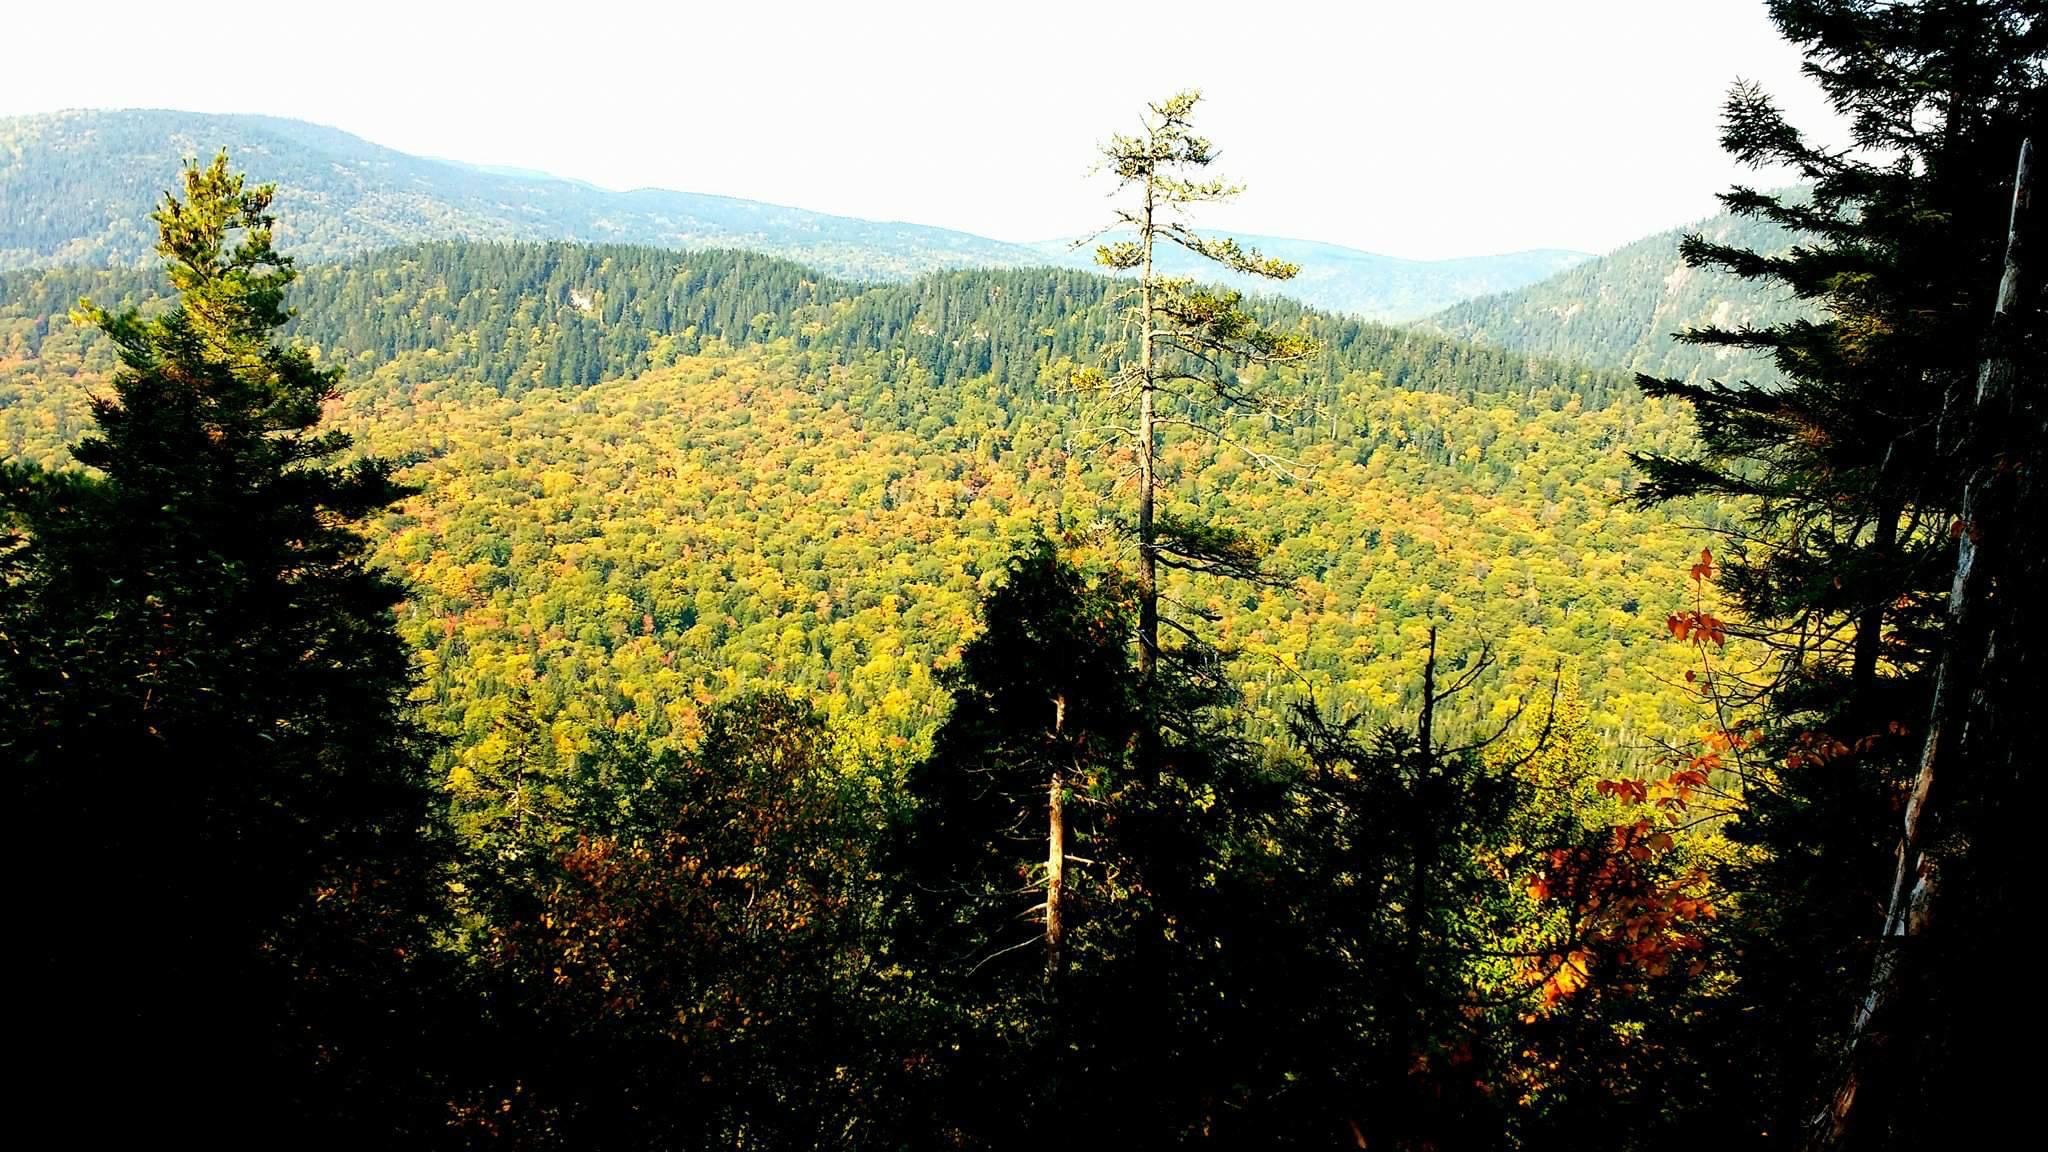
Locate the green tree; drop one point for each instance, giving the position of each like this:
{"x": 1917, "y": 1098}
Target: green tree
{"x": 207, "y": 718}
{"x": 1009, "y": 843}
{"x": 1191, "y": 342}
{"x": 1397, "y": 833}
{"x": 1853, "y": 474}
{"x": 1407, "y": 853}
{"x": 1095, "y": 926}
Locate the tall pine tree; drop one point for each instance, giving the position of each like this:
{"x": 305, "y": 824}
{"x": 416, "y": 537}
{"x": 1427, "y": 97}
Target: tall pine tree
{"x": 1192, "y": 342}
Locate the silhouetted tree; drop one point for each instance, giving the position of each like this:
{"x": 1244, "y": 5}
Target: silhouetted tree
{"x": 1080, "y": 917}
{"x": 1853, "y": 471}
{"x": 206, "y": 719}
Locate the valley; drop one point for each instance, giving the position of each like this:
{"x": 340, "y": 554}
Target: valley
{"x": 721, "y": 471}
{"x": 490, "y": 661}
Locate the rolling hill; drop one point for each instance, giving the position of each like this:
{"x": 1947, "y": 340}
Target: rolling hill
{"x": 652, "y": 479}
{"x": 1622, "y": 309}
{"x": 76, "y": 188}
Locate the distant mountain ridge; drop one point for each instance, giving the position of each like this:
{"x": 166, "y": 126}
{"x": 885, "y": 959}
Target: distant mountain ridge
{"x": 76, "y": 188}
{"x": 1339, "y": 279}
{"x": 1622, "y": 310}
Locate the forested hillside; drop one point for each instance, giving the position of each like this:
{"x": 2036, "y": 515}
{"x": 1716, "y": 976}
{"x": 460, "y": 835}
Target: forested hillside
{"x": 504, "y": 691}
{"x": 653, "y": 480}
{"x": 1623, "y": 310}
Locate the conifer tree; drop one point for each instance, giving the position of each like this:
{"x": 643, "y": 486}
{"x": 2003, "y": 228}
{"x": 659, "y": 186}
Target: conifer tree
{"x": 1020, "y": 786}
{"x": 207, "y": 714}
{"x": 1852, "y": 470}
{"x": 1087, "y": 916}
{"x": 1397, "y": 828}
{"x": 1191, "y": 342}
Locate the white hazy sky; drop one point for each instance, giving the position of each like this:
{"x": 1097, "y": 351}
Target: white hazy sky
{"x": 1421, "y": 129}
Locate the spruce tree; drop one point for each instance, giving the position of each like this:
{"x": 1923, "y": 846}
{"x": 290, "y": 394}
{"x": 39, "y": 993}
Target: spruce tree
{"x": 208, "y": 718}
{"x": 1852, "y": 469}
{"x": 1087, "y": 915}
{"x": 1022, "y": 786}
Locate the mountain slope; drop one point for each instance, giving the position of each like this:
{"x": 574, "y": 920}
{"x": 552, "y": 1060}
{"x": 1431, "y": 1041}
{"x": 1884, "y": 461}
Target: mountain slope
{"x": 1339, "y": 279}
{"x": 651, "y": 479}
{"x": 1622, "y": 309}
{"x": 76, "y": 188}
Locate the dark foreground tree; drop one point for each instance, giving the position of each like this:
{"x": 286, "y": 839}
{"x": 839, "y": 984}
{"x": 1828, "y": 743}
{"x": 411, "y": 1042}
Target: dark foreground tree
{"x": 1396, "y": 833}
{"x": 227, "y": 805}
{"x": 1005, "y": 862}
{"x": 1092, "y": 929}
{"x": 1854, "y": 470}
{"x": 695, "y": 967}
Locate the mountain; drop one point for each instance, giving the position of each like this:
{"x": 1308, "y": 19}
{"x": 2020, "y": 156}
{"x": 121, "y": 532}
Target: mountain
{"x": 1339, "y": 279}
{"x": 651, "y": 479}
{"x": 77, "y": 188}
{"x": 1622, "y": 309}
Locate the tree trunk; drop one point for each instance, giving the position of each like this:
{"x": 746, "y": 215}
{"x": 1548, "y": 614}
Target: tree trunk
{"x": 1148, "y": 548}
{"x": 1055, "y": 876}
{"x": 1056, "y": 915}
{"x": 1968, "y": 645}
{"x": 1056, "y": 865}
{"x": 1870, "y": 623}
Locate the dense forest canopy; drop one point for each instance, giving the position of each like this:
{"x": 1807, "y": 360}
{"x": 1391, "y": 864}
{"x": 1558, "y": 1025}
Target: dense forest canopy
{"x": 505, "y": 691}
{"x": 651, "y": 479}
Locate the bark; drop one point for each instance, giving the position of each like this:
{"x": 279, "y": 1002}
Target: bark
{"x": 1870, "y": 623}
{"x": 1056, "y": 865}
{"x": 1148, "y": 545}
{"x": 1980, "y": 537}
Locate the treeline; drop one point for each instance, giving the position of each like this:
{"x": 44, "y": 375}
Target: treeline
{"x": 80, "y": 184}
{"x": 517, "y": 316}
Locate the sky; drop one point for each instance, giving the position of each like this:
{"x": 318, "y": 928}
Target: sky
{"x": 1424, "y": 129}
